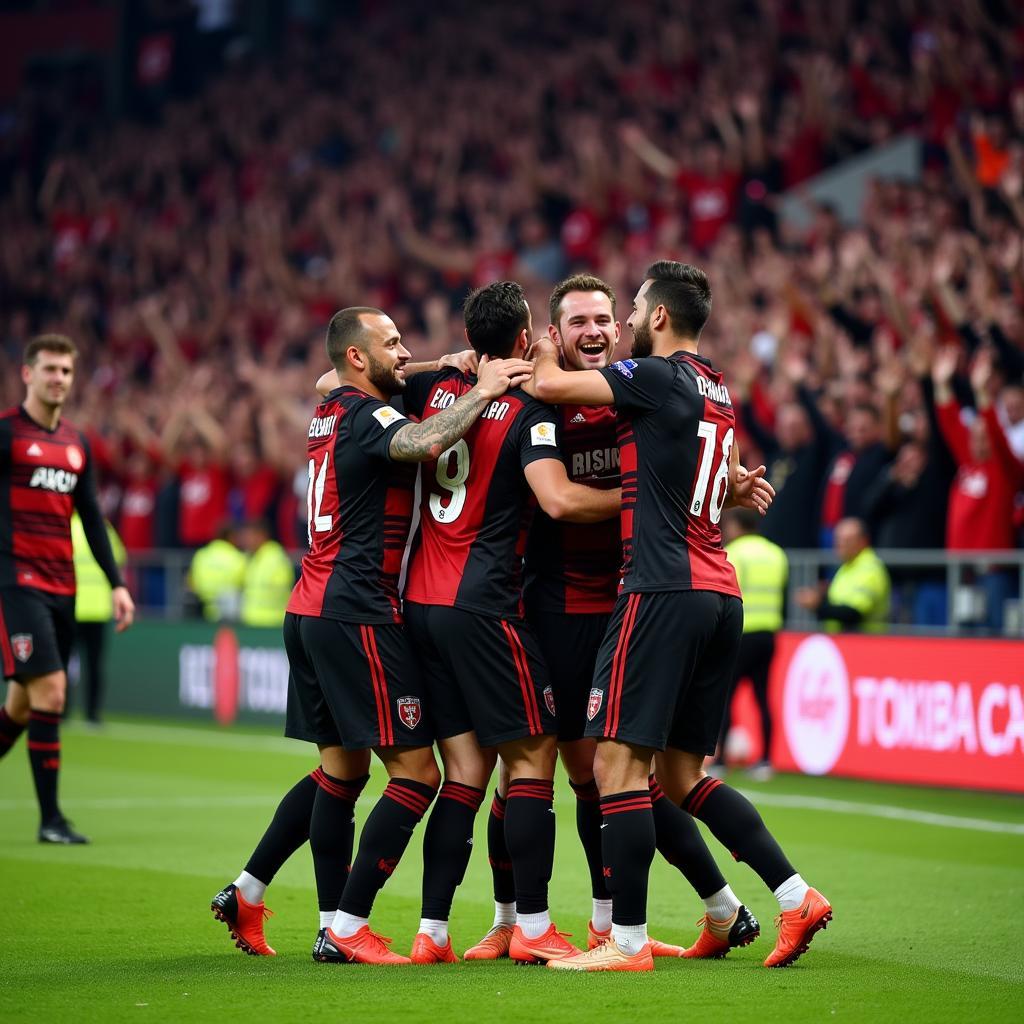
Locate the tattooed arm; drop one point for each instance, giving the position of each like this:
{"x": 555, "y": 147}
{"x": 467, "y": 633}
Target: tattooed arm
{"x": 421, "y": 442}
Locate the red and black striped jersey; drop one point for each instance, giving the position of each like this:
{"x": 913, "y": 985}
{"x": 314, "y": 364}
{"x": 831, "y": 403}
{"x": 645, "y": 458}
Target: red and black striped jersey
{"x": 476, "y": 505}
{"x": 575, "y": 568}
{"x": 44, "y": 476}
{"x": 676, "y": 430}
{"x": 358, "y": 507}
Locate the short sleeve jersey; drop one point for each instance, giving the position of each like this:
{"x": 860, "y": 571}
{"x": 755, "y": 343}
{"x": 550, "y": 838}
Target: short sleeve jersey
{"x": 359, "y": 507}
{"x": 476, "y": 506}
{"x": 44, "y": 475}
{"x": 676, "y": 431}
{"x": 574, "y": 568}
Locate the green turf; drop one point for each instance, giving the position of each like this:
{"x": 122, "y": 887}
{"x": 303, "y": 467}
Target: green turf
{"x": 928, "y": 919}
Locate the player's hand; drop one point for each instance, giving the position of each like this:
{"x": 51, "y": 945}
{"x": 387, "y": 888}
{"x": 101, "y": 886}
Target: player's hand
{"x": 495, "y": 376}
{"x": 465, "y": 361}
{"x": 124, "y": 608}
{"x": 543, "y": 345}
{"x": 750, "y": 489}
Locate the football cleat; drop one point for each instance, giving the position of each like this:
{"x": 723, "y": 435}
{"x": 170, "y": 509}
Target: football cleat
{"x": 426, "y": 951}
{"x": 365, "y": 947}
{"x": 596, "y": 938}
{"x": 718, "y": 937}
{"x": 326, "y": 952}
{"x": 541, "y": 950}
{"x": 244, "y": 920}
{"x": 59, "y": 830}
{"x": 606, "y": 957}
{"x": 493, "y": 946}
{"x": 797, "y": 928}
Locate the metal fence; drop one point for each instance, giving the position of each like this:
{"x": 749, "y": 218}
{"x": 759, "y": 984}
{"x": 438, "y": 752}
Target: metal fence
{"x": 935, "y": 593}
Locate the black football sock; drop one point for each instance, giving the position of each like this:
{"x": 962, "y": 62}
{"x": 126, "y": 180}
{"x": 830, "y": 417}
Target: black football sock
{"x": 497, "y": 853}
{"x": 735, "y": 823}
{"x": 447, "y": 844}
{"x": 530, "y": 835}
{"x": 588, "y": 827}
{"x": 287, "y": 831}
{"x": 385, "y": 836}
{"x": 627, "y": 839}
{"x": 332, "y": 830}
{"x": 10, "y": 730}
{"x": 679, "y": 841}
{"x": 44, "y": 756}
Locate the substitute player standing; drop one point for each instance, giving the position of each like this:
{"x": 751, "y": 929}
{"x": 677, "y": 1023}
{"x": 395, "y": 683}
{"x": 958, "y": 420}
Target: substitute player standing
{"x": 666, "y": 663}
{"x": 46, "y": 471}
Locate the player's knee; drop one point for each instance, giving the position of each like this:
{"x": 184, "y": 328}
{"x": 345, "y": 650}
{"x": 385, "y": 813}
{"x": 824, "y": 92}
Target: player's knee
{"x": 531, "y": 759}
{"x": 620, "y": 768}
{"x": 47, "y": 693}
{"x": 578, "y": 758}
{"x": 417, "y": 764}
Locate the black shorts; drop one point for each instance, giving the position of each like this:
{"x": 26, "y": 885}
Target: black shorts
{"x": 665, "y": 670}
{"x": 36, "y": 632}
{"x": 569, "y": 646}
{"x": 354, "y": 686}
{"x": 485, "y": 675}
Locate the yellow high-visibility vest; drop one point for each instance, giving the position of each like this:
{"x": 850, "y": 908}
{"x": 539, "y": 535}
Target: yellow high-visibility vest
{"x": 762, "y": 570}
{"x": 862, "y": 583}
{"x": 216, "y": 576}
{"x": 92, "y": 589}
{"x": 267, "y": 585}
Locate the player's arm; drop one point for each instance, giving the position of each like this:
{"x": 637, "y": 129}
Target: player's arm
{"x": 99, "y": 544}
{"x": 466, "y": 361}
{"x": 421, "y": 442}
{"x": 561, "y": 498}
{"x": 556, "y": 386}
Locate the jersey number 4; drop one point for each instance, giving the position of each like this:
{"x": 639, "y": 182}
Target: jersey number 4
{"x": 713, "y": 501}
{"x": 451, "y": 474}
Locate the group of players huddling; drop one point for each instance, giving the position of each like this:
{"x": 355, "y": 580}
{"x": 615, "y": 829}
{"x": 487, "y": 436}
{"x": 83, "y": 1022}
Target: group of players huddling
{"x": 602, "y": 627}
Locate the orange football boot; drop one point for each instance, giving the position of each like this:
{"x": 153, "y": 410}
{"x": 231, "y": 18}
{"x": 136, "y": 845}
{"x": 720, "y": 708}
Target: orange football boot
{"x": 541, "y": 950}
{"x": 244, "y": 920}
{"x": 493, "y": 946}
{"x": 596, "y": 938}
{"x": 366, "y": 947}
{"x": 426, "y": 951}
{"x": 718, "y": 937}
{"x": 797, "y": 928}
{"x": 606, "y": 957}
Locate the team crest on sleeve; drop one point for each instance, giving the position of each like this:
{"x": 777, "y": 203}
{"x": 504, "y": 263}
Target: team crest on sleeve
{"x": 594, "y": 704}
{"x": 385, "y": 415}
{"x": 75, "y": 457}
{"x": 625, "y": 367}
{"x": 543, "y": 433}
{"x": 21, "y": 645}
{"x": 409, "y": 709}
{"x": 549, "y": 699}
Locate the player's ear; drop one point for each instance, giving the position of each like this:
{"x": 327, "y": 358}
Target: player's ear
{"x": 618, "y": 330}
{"x": 356, "y": 357}
{"x": 26, "y": 374}
{"x": 554, "y": 335}
{"x": 521, "y": 345}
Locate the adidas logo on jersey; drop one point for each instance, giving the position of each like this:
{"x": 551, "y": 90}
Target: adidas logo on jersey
{"x": 578, "y": 418}
{"x": 34, "y": 449}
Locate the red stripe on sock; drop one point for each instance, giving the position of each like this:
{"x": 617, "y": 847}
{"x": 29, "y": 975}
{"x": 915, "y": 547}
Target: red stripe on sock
{"x": 498, "y": 809}
{"x": 408, "y": 798}
{"x": 463, "y": 795}
{"x": 705, "y": 793}
{"x": 640, "y": 804}
{"x": 46, "y": 717}
{"x": 36, "y": 745}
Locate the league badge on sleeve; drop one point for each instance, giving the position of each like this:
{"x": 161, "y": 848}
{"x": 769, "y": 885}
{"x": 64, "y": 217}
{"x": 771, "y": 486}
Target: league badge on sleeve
{"x": 625, "y": 367}
{"x": 385, "y": 415}
{"x": 543, "y": 433}
{"x": 409, "y": 710}
{"x": 594, "y": 704}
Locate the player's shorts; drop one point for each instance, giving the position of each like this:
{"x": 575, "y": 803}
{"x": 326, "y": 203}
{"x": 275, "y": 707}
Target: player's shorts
{"x": 354, "y": 686}
{"x": 665, "y": 669}
{"x": 485, "y": 675}
{"x": 36, "y": 632}
{"x": 569, "y": 646}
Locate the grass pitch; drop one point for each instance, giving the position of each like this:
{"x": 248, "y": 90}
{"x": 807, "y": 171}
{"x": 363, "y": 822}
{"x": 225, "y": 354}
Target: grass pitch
{"x": 927, "y": 886}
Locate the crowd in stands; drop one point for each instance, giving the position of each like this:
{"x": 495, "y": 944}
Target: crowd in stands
{"x": 403, "y": 155}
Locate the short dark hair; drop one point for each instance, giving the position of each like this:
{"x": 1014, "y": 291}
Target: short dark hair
{"x": 494, "y": 316}
{"x": 577, "y": 283}
{"x": 347, "y": 328}
{"x": 48, "y": 343}
{"x": 684, "y": 291}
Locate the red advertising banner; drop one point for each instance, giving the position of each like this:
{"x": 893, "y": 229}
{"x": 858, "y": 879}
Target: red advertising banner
{"x": 897, "y": 709}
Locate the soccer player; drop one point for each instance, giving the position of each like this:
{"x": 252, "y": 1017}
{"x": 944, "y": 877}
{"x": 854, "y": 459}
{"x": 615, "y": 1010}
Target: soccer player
{"x": 354, "y": 684}
{"x": 572, "y": 579}
{"x": 666, "y": 662}
{"x": 47, "y": 473}
{"x": 488, "y": 686}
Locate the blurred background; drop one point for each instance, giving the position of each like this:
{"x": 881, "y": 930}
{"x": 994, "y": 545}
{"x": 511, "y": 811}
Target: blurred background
{"x": 191, "y": 189}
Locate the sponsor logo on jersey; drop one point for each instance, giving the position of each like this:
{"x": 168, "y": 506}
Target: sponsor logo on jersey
{"x": 594, "y": 704}
{"x": 712, "y": 389}
{"x": 75, "y": 457}
{"x": 549, "y": 699}
{"x": 385, "y": 415}
{"x": 34, "y": 449}
{"x": 543, "y": 433}
{"x": 441, "y": 399}
{"x": 50, "y": 479}
{"x": 321, "y": 426}
{"x": 410, "y": 711}
{"x": 578, "y": 418}
{"x": 625, "y": 367}
{"x": 598, "y": 460}
{"x": 21, "y": 644}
